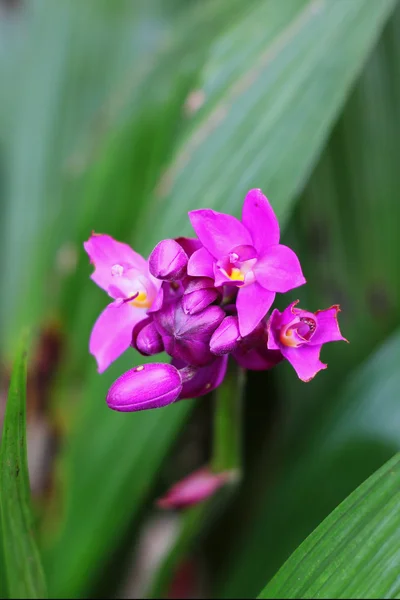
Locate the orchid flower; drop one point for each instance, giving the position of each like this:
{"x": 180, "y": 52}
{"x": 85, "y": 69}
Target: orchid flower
{"x": 300, "y": 335}
{"x": 246, "y": 254}
{"x": 125, "y": 276}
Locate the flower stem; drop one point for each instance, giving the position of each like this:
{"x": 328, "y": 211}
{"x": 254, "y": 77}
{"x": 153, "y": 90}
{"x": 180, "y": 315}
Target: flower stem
{"x": 226, "y": 456}
{"x": 227, "y": 448}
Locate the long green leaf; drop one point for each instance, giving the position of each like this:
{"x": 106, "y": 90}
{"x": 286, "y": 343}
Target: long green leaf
{"x": 271, "y": 91}
{"x": 24, "y": 571}
{"x": 355, "y": 552}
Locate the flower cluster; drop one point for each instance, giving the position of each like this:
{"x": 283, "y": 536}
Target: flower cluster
{"x": 200, "y": 300}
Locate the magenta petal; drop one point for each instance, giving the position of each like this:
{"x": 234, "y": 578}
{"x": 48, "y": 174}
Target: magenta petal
{"x": 259, "y": 218}
{"x": 304, "y": 360}
{"x": 253, "y": 303}
{"x": 193, "y": 489}
{"x": 201, "y": 264}
{"x": 273, "y": 328}
{"x": 219, "y": 233}
{"x": 105, "y": 252}
{"x": 112, "y": 333}
{"x": 279, "y": 270}
{"x": 206, "y": 379}
{"x": 157, "y": 302}
{"x": 327, "y": 327}
{"x": 244, "y": 252}
{"x": 148, "y": 386}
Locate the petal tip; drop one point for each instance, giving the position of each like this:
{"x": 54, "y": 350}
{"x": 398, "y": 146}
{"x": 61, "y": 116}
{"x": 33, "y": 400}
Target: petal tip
{"x": 322, "y": 368}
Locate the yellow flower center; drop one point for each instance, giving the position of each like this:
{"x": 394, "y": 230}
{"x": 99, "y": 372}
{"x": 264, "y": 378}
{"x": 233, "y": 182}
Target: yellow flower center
{"x": 287, "y": 338}
{"x": 236, "y": 274}
{"x": 141, "y": 301}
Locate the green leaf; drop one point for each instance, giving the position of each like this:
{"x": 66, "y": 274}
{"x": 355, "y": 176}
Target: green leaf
{"x": 355, "y": 552}
{"x": 271, "y": 92}
{"x": 24, "y": 571}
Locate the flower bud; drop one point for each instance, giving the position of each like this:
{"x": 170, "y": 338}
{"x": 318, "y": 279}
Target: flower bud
{"x": 195, "y": 488}
{"x": 204, "y": 379}
{"x": 149, "y": 341}
{"x": 148, "y": 386}
{"x": 187, "y": 337}
{"x": 195, "y": 302}
{"x": 198, "y": 283}
{"x": 168, "y": 261}
{"x": 226, "y": 337}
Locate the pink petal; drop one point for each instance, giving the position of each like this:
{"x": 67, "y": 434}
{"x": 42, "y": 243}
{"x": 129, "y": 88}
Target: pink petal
{"x": 253, "y": 303}
{"x": 279, "y": 270}
{"x": 219, "y": 233}
{"x": 201, "y": 264}
{"x": 112, "y": 333}
{"x": 327, "y": 327}
{"x": 157, "y": 302}
{"x": 105, "y": 252}
{"x": 274, "y": 326}
{"x": 259, "y": 218}
{"x": 193, "y": 489}
{"x": 304, "y": 360}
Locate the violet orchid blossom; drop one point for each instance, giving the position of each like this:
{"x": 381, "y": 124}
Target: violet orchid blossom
{"x": 299, "y": 335}
{"x": 125, "y": 276}
{"x": 247, "y": 255}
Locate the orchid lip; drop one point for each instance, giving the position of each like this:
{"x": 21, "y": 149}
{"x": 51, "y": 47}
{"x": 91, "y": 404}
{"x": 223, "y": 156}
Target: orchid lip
{"x": 290, "y": 334}
{"x": 239, "y": 272}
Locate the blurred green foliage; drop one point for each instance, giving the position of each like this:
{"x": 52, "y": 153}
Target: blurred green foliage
{"x": 120, "y": 117}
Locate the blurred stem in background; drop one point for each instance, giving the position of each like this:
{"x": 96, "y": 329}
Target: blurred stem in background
{"x": 226, "y": 457}
{"x": 227, "y": 450}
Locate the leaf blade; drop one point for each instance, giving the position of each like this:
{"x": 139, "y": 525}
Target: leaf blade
{"x": 24, "y": 570}
{"x": 293, "y": 89}
{"x": 345, "y": 555}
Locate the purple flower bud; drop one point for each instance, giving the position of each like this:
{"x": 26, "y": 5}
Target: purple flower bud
{"x": 168, "y": 261}
{"x": 137, "y": 329}
{"x": 149, "y": 341}
{"x": 197, "y": 301}
{"x": 198, "y": 283}
{"x": 257, "y": 359}
{"x": 187, "y": 337}
{"x": 226, "y": 337}
{"x": 189, "y": 245}
{"x": 202, "y": 380}
{"x": 148, "y": 386}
